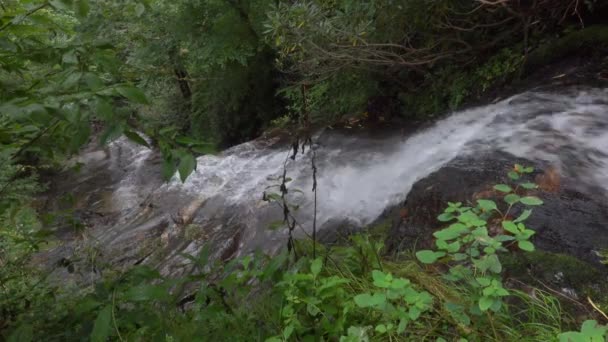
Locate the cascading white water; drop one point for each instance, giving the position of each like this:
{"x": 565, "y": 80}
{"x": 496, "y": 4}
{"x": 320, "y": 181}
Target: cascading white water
{"x": 359, "y": 175}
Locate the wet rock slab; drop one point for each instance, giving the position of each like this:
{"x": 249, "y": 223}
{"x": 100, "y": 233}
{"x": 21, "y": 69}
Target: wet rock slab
{"x": 573, "y": 219}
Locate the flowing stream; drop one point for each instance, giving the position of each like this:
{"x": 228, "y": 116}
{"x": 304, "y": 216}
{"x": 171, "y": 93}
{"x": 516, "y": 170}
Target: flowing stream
{"x": 141, "y": 219}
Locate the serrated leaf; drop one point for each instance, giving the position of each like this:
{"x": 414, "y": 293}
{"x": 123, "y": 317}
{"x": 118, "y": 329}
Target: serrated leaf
{"x": 531, "y": 200}
{"x": 133, "y": 94}
{"x": 101, "y": 328}
{"x": 503, "y": 188}
{"x": 513, "y": 175}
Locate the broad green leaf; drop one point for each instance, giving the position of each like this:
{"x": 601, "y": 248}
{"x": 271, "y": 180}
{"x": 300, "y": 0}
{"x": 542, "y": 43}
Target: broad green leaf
{"x": 503, "y": 188}
{"x": 169, "y": 168}
{"x": 101, "y": 328}
{"x": 445, "y": 217}
{"x": 486, "y": 205}
{"x": 381, "y": 279}
{"x": 524, "y": 215}
{"x": 93, "y": 81}
{"x": 381, "y": 328}
{"x": 366, "y": 300}
{"x": 531, "y": 200}
{"x": 510, "y": 227}
{"x": 187, "y": 164}
{"x": 529, "y": 186}
{"x": 511, "y": 199}
{"x": 485, "y": 303}
{"x": 112, "y": 132}
{"x": 513, "y": 175}
{"x": 136, "y": 138}
{"x": 452, "y": 232}
{"x": 104, "y": 109}
{"x": 429, "y": 257}
{"x": 133, "y": 94}
{"x": 526, "y": 246}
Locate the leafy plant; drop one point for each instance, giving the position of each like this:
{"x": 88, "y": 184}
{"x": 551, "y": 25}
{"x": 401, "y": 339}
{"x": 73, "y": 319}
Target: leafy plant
{"x": 472, "y": 251}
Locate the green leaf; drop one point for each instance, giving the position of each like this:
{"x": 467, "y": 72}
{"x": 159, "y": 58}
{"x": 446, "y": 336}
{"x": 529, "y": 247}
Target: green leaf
{"x": 112, "y": 132}
{"x": 526, "y": 246}
{"x": 452, "y": 232}
{"x": 381, "y": 328}
{"x": 93, "y": 81}
{"x": 315, "y": 266}
{"x": 82, "y": 8}
{"x": 510, "y": 227}
{"x": 513, "y": 175}
{"x": 381, "y": 279}
{"x": 429, "y": 257}
{"x": 503, "y": 188}
{"x": 187, "y": 164}
{"x": 445, "y": 217}
{"x": 485, "y": 303}
{"x": 133, "y": 94}
{"x": 529, "y": 186}
{"x": 366, "y": 300}
{"x": 531, "y": 200}
{"x": 104, "y": 109}
{"x": 486, "y": 205}
{"x": 511, "y": 199}
{"x": 524, "y": 215}
{"x": 101, "y": 328}
{"x": 69, "y": 57}
{"x": 169, "y": 168}
{"x": 136, "y": 138}
{"x": 204, "y": 149}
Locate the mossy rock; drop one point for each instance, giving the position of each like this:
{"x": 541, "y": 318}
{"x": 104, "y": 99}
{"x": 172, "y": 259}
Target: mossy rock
{"x": 559, "y": 272}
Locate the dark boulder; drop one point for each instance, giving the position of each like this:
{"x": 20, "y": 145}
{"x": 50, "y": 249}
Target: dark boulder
{"x": 573, "y": 219}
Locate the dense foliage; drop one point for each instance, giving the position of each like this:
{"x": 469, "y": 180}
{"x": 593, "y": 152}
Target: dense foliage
{"x": 196, "y": 75}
